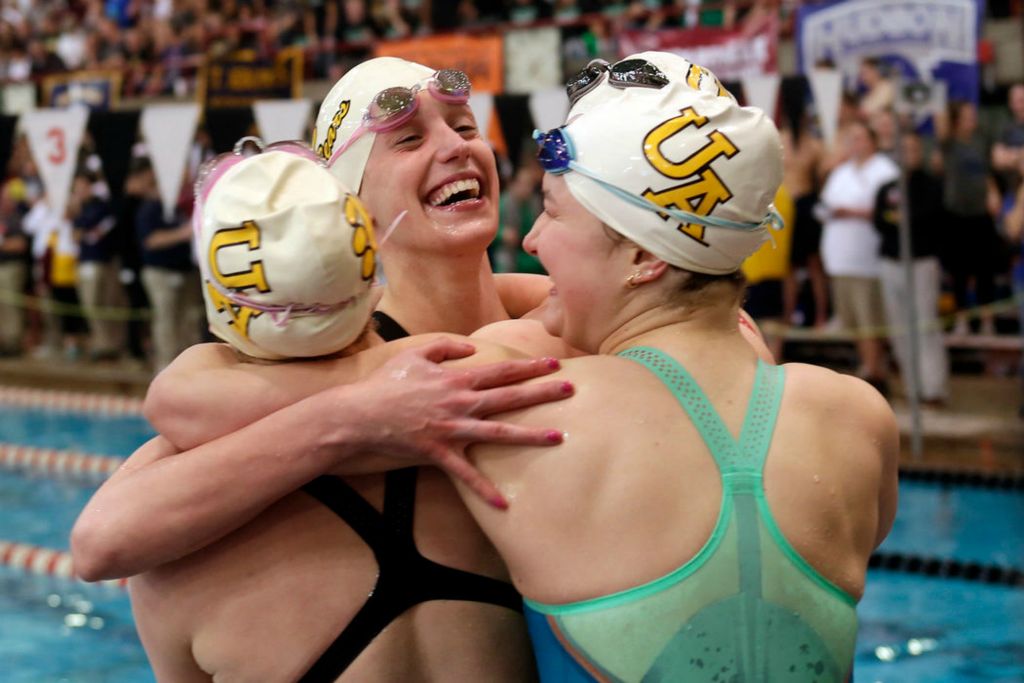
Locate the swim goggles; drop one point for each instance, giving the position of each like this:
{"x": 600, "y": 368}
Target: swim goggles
{"x": 393, "y": 107}
{"x": 627, "y": 73}
{"x": 214, "y": 169}
{"x": 557, "y": 156}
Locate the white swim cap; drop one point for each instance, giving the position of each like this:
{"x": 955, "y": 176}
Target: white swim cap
{"x": 287, "y": 256}
{"x": 341, "y": 112}
{"x": 660, "y": 153}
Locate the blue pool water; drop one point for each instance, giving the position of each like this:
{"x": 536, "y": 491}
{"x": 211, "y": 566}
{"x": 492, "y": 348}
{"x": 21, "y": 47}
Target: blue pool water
{"x": 67, "y": 430}
{"x": 914, "y": 629}
{"x": 55, "y": 631}
{"x": 968, "y": 524}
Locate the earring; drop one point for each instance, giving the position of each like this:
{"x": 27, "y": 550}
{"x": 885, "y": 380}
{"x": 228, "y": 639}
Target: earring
{"x": 632, "y": 280}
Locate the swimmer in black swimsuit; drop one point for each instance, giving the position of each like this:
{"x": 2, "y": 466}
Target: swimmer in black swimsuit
{"x": 437, "y": 280}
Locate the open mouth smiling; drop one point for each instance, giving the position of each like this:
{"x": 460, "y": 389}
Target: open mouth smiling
{"x": 454, "y": 192}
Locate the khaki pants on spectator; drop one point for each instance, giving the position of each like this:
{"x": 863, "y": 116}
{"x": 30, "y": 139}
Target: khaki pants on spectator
{"x": 99, "y": 288}
{"x": 934, "y": 362}
{"x": 12, "y": 314}
{"x": 176, "y": 302}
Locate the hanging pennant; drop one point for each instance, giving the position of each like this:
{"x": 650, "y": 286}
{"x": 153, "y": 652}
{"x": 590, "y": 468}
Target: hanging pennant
{"x": 54, "y": 138}
{"x": 827, "y": 89}
{"x": 282, "y": 119}
{"x": 168, "y": 131}
{"x": 762, "y": 91}
{"x": 548, "y": 107}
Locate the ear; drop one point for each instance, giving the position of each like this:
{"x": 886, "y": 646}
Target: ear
{"x": 648, "y": 267}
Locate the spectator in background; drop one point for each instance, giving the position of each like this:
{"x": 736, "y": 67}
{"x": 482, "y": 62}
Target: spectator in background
{"x": 802, "y": 157}
{"x": 99, "y": 288}
{"x": 13, "y": 270}
{"x": 54, "y": 273}
{"x": 879, "y": 93}
{"x": 975, "y": 252}
{"x": 883, "y": 123}
{"x": 926, "y": 216}
{"x": 1008, "y": 151}
{"x": 849, "y": 247}
{"x": 168, "y": 273}
{"x": 1015, "y": 233}
{"x": 519, "y": 205}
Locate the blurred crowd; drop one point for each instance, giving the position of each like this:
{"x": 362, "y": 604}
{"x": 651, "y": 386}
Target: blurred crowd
{"x": 113, "y": 276}
{"x": 158, "y": 45}
{"x": 963, "y": 187}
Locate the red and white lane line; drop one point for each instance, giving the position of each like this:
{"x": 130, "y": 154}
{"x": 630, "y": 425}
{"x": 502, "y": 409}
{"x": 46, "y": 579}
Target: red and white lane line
{"x": 58, "y": 463}
{"x": 73, "y": 401}
{"x": 39, "y": 561}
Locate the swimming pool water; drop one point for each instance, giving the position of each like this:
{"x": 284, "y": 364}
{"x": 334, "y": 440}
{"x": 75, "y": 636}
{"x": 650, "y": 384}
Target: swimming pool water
{"x": 914, "y": 629}
{"x": 964, "y": 523}
{"x": 53, "y": 631}
{"x": 98, "y": 434}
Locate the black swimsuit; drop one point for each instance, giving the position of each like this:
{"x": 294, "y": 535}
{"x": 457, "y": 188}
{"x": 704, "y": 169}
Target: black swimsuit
{"x": 405, "y": 577}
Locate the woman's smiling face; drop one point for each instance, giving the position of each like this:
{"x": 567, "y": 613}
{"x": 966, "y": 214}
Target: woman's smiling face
{"x": 437, "y": 167}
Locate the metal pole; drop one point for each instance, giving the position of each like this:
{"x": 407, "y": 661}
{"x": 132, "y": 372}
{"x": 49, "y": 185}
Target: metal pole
{"x": 912, "y": 330}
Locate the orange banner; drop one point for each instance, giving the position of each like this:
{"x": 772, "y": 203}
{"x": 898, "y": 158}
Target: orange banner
{"x": 479, "y": 56}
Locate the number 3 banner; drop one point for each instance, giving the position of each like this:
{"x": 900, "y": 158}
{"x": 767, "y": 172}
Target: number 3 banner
{"x": 54, "y": 137}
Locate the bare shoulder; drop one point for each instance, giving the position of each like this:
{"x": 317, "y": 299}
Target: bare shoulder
{"x": 825, "y": 393}
{"x": 526, "y": 336}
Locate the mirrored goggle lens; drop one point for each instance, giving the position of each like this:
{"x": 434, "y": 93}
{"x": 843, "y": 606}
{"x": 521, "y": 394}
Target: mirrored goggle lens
{"x": 389, "y": 104}
{"x": 636, "y": 72}
{"x": 452, "y": 82}
{"x": 585, "y": 80}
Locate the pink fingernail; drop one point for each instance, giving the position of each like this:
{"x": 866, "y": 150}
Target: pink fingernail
{"x": 499, "y": 502}
{"x": 554, "y": 436}
{"x": 567, "y": 387}
{"x": 552, "y": 363}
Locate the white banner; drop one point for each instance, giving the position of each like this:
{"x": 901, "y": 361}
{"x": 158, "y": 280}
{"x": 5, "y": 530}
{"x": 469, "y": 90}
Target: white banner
{"x": 280, "y": 120}
{"x": 482, "y": 104}
{"x": 762, "y": 91}
{"x": 168, "y": 131}
{"x": 549, "y": 107}
{"x": 54, "y": 138}
{"x": 827, "y": 90}
{"x": 532, "y": 60}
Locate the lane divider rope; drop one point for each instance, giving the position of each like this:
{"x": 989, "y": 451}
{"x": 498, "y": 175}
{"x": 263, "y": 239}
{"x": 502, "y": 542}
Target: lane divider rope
{"x": 60, "y": 463}
{"x": 39, "y": 561}
{"x": 72, "y": 401}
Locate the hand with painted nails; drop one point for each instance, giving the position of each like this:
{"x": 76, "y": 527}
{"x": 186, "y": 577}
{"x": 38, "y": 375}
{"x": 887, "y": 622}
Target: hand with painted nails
{"x": 421, "y": 409}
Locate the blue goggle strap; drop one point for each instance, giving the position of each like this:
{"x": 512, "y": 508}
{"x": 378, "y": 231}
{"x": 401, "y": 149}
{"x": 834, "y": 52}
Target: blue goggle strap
{"x": 772, "y": 219}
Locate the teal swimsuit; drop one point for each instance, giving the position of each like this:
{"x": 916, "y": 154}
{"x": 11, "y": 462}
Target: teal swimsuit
{"x": 747, "y": 608}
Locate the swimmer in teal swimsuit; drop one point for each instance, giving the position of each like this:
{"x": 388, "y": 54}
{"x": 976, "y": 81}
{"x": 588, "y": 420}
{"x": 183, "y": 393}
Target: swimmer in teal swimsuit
{"x": 709, "y": 516}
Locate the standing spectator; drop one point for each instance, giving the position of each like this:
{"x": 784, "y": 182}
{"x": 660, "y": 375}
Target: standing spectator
{"x": 1015, "y": 233}
{"x": 926, "y": 215}
{"x": 13, "y": 271}
{"x": 54, "y": 273}
{"x": 1008, "y": 151}
{"x": 99, "y": 287}
{"x": 520, "y": 204}
{"x": 879, "y": 93}
{"x": 974, "y": 250}
{"x": 849, "y": 247}
{"x": 168, "y": 274}
{"x": 802, "y": 157}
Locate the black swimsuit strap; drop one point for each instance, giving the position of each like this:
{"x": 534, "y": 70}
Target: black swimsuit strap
{"x": 405, "y": 577}
{"x": 387, "y": 327}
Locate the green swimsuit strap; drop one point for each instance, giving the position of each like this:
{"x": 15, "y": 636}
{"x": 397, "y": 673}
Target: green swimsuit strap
{"x": 746, "y": 455}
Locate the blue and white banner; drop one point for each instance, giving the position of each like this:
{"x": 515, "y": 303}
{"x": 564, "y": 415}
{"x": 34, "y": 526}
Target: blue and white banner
{"x": 928, "y": 40}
